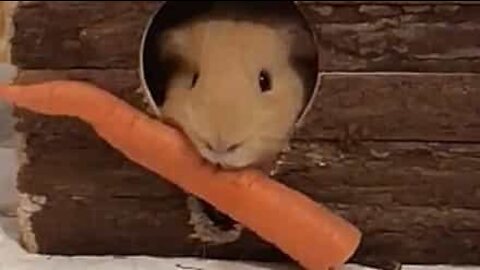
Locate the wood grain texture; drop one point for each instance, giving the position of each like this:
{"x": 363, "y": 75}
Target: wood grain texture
{"x": 135, "y": 226}
{"x": 399, "y": 107}
{"x": 77, "y": 34}
{"x": 397, "y": 38}
{"x": 386, "y": 173}
{"x": 354, "y": 37}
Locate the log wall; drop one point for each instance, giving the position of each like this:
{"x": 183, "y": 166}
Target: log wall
{"x": 392, "y": 142}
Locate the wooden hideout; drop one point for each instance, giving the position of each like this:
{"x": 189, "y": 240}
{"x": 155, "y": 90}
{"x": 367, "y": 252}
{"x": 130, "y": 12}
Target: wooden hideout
{"x": 392, "y": 141}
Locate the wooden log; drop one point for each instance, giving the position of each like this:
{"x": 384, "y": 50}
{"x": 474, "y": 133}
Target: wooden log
{"x": 398, "y": 107}
{"x": 403, "y": 205}
{"x": 353, "y": 37}
{"x": 405, "y": 195}
{"x": 367, "y": 107}
{"x": 386, "y": 173}
{"x": 77, "y": 34}
{"x": 135, "y": 226}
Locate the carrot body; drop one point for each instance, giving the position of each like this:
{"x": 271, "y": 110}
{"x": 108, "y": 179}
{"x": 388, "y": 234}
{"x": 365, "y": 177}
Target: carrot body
{"x": 309, "y": 233}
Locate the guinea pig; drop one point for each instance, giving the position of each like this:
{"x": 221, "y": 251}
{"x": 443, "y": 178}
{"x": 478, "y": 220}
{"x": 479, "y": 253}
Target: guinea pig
{"x": 235, "y": 89}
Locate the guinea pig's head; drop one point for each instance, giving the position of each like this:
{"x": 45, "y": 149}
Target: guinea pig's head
{"x": 233, "y": 89}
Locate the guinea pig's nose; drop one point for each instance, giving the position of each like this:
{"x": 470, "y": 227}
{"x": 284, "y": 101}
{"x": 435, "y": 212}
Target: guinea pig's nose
{"x": 222, "y": 148}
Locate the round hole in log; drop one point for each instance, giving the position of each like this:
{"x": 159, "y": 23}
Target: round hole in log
{"x": 154, "y": 74}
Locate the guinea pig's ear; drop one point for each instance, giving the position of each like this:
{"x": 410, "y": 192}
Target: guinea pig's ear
{"x": 172, "y": 42}
{"x": 300, "y": 41}
{"x": 303, "y": 56}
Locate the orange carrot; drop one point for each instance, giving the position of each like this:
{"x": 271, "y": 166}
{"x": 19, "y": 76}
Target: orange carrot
{"x": 308, "y": 232}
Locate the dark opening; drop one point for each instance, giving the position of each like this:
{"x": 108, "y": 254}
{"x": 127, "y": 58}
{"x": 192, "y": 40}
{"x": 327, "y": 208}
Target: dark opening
{"x": 220, "y": 220}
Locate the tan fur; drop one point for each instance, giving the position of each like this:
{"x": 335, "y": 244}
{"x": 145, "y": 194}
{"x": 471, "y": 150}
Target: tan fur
{"x": 226, "y": 106}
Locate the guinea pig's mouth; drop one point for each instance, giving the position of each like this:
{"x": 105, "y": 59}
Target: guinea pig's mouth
{"x": 228, "y": 164}
{"x": 222, "y": 166}
{"x": 197, "y": 144}
{"x": 220, "y": 161}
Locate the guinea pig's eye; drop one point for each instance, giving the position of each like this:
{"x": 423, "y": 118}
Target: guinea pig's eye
{"x": 194, "y": 79}
{"x": 265, "y": 81}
